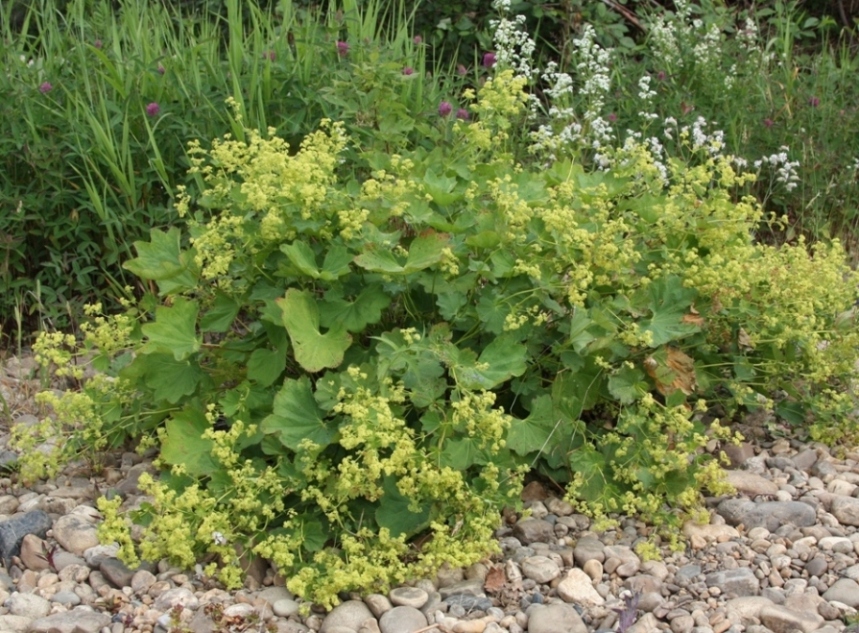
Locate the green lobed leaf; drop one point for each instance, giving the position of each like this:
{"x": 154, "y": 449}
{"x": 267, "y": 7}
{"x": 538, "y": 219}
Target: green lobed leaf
{"x": 628, "y": 384}
{"x": 162, "y": 260}
{"x": 313, "y": 350}
{"x": 266, "y": 365}
{"x": 668, "y": 301}
{"x": 499, "y": 361}
{"x": 174, "y": 330}
{"x": 354, "y": 316}
{"x": 184, "y": 444}
{"x": 169, "y": 379}
{"x": 221, "y": 315}
{"x": 295, "y": 416}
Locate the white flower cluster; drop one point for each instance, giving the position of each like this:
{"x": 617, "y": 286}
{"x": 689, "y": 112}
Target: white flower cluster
{"x": 567, "y": 130}
{"x": 646, "y": 94}
{"x": 513, "y": 46}
{"x": 785, "y": 169}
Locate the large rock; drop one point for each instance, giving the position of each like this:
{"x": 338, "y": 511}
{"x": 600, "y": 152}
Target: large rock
{"x": 350, "y": 614}
{"x": 534, "y": 531}
{"x": 845, "y": 591}
{"x": 740, "y": 582}
{"x": 750, "y": 483}
{"x": 846, "y": 510}
{"x": 576, "y": 588}
{"x": 13, "y": 531}
{"x": 75, "y": 533}
{"x": 771, "y": 514}
{"x": 540, "y": 569}
{"x": 402, "y": 620}
{"x": 80, "y": 620}
{"x": 554, "y": 618}
{"x": 780, "y": 620}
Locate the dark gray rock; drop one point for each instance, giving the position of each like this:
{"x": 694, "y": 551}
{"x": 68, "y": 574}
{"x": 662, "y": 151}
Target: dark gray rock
{"x": 469, "y": 603}
{"x": 13, "y": 531}
{"x": 770, "y": 514}
{"x": 534, "y": 531}
{"x": 116, "y": 572}
{"x": 739, "y": 582}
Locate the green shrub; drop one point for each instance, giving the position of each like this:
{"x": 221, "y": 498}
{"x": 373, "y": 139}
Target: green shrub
{"x": 347, "y": 372}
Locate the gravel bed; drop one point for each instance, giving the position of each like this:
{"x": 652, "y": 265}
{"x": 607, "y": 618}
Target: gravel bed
{"x": 782, "y": 556}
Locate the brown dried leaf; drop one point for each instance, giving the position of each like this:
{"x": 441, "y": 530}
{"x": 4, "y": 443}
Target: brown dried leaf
{"x": 495, "y": 579}
{"x": 678, "y": 372}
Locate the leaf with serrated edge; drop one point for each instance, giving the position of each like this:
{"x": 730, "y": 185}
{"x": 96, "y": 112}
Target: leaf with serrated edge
{"x": 174, "y": 330}
{"x": 314, "y": 351}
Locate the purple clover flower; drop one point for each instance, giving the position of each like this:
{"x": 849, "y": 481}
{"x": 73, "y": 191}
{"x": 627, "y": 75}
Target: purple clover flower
{"x": 152, "y": 109}
{"x": 462, "y": 114}
{"x": 814, "y": 102}
{"x": 342, "y": 48}
{"x": 161, "y": 69}
{"x": 417, "y": 39}
{"x": 45, "y": 88}
{"x": 489, "y": 59}
{"x": 461, "y": 70}
{"x": 97, "y": 44}
{"x": 408, "y": 70}
{"x": 269, "y": 55}
{"x": 444, "y": 108}
{"x": 768, "y": 122}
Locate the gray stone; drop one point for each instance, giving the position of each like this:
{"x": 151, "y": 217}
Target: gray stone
{"x": 559, "y": 507}
{"x": 576, "y": 588}
{"x": 285, "y": 607}
{"x": 846, "y": 510}
{"x": 15, "y": 623}
{"x": 408, "y": 597}
{"x": 682, "y": 624}
{"x": 589, "y": 548}
{"x": 645, "y": 624}
{"x": 739, "y": 455}
{"x": 75, "y": 533}
{"x": 750, "y": 483}
{"x": 117, "y": 573}
{"x": 769, "y": 514}
{"x": 94, "y": 556}
{"x": 34, "y": 552}
{"x": 534, "y": 531}
{"x": 540, "y": 569}
{"x": 817, "y": 566}
{"x": 554, "y": 618}
{"x": 350, "y": 614}
{"x": 780, "y": 620}
{"x": 740, "y": 582}
{"x": 68, "y": 598}
{"x": 79, "y": 620}
{"x": 143, "y": 579}
{"x": 178, "y": 596}
{"x": 845, "y": 591}
{"x": 273, "y": 594}
{"x": 378, "y": 604}
{"x": 469, "y": 602}
{"x": 28, "y": 605}
{"x": 805, "y": 459}
{"x": 468, "y": 587}
{"x": 12, "y": 532}
{"x": 402, "y": 619}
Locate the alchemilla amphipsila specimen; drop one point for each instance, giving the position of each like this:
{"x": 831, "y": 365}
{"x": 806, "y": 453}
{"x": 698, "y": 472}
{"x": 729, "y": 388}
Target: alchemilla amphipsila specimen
{"x": 340, "y": 361}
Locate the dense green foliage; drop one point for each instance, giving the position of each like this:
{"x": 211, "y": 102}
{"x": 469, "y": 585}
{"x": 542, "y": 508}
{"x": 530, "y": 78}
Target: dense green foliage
{"x": 370, "y": 298}
{"x": 385, "y": 351}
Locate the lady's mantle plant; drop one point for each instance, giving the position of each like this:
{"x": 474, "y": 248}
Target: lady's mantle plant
{"x": 347, "y": 373}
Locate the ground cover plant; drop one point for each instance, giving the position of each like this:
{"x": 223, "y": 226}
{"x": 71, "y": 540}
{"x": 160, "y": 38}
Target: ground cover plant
{"x": 353, "y": 347}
